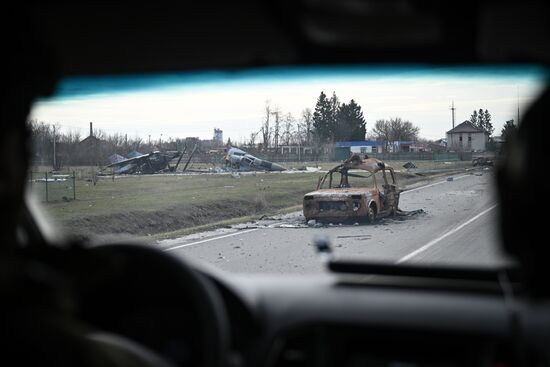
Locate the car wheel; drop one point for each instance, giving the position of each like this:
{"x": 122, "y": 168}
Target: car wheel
{"x": 371, "y": 214}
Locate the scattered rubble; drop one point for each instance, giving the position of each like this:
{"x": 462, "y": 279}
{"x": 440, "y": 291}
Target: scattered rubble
{"x": 409, "y": 165}
{"x": 482, "y": 161}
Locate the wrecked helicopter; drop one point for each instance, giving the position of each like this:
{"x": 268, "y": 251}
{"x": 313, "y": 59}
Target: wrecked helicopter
{"x": 239, "y": 160}
{"x": 149, "y": 163}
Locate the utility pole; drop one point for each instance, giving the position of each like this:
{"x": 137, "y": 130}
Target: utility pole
{"x": 452, "y": 108}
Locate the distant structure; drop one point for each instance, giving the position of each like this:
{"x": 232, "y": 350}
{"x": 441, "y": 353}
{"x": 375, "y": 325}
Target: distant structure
{"x": 452, "y": 108}
{"x": 467, "y": 138}
{"x": 89, "y": 149}
{"x": 218, "y": 136}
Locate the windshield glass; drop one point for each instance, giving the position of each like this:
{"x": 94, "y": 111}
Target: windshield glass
{"x": 152, "y": 157}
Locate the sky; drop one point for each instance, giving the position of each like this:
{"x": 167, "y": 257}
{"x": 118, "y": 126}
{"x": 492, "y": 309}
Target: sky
{"x": 193, "y": 104}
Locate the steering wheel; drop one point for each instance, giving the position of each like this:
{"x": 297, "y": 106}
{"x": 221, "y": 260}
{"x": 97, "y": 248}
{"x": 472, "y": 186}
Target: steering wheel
{"x": 156, "y": 299}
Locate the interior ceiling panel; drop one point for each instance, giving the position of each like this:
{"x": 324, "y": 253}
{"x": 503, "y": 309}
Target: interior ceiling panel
{"x": 128, "y": 37}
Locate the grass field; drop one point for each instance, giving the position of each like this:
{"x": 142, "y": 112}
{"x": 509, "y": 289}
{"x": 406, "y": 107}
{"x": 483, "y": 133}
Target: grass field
{"x": 170, "y": 205}
{"x": 145, "y": 205}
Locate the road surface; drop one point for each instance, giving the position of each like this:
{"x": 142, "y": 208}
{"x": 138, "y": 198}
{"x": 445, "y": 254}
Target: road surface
{"x": 458, "y": 227}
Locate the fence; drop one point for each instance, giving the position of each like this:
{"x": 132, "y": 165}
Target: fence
{"x": 51, "y": 187}
{"x": 217, "y": 159}
{"x": 423, "y": 156}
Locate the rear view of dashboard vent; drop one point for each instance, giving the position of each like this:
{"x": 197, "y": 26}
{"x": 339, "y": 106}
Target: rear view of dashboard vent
{"x": 302, "y": 347}
{"x": 354, "y": 345}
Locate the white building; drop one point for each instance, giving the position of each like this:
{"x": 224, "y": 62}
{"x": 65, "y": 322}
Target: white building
{"x": 467, "y": 138}
{"x": 218, "y": 136}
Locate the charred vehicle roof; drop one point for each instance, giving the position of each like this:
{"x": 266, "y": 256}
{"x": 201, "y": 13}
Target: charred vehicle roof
{"x": 367, "y": 199}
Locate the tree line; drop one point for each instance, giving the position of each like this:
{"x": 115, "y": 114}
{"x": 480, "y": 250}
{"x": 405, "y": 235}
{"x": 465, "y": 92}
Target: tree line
{"x": 482, "y": 120}
{"x": 71, "y": 150}
{"x": 330, "y": 121}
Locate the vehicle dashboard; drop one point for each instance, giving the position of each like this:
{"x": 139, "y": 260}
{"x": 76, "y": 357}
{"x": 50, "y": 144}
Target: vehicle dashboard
{"x": 324, "y": 321}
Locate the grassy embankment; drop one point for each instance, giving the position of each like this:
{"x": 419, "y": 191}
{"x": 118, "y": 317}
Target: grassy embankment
{"x": 161, "y": 206}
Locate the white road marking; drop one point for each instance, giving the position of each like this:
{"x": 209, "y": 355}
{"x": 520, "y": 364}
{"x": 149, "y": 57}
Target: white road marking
{"x": 211, "y": 239}
{"x": 435, "y": 241}
{"x": 434, "y": 184}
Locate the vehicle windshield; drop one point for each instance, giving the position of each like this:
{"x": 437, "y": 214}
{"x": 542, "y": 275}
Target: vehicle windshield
{"x": 151, "y": 157}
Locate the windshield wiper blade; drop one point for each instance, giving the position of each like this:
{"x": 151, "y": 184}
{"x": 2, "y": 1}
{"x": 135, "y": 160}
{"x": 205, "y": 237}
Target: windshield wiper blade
{"x": 420, "y": 271}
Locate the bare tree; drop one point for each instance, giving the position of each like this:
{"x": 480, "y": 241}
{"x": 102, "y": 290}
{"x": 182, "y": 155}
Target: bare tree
{"x": 288, "y": 131}
{"x": 307, "y": 125}
{"x": 382, "y": 132}
{"x": 403, "y": 130}
{"x": 266, "y": 130}
{"x": 277, "y": 127}
{"x": 136, "y": 143}
{"x": 252, "y": 141}
{"x": 394, "y": 129}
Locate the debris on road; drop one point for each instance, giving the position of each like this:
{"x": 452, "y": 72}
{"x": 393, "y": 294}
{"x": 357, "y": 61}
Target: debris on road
{"x": 409, "y": 213}
{"x": 286, "y": 225}
{"x": 243, "y": 226}
{"x": 482, "y": 161}
{"x": 409, "y": 165}
{"x": 356, "y": 236}
{"x": 309, "y": 169}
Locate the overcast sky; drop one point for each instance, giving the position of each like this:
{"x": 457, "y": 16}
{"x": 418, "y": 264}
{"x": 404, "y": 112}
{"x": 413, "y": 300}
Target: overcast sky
{"x": 192, "y": 105}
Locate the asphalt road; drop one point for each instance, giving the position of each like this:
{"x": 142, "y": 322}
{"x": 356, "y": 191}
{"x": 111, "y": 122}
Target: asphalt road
{"x": 458, "y": 227}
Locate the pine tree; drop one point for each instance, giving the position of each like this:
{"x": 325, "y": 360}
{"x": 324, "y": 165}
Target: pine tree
{"x": 509, "y": 130}
{"x": 323, "y": 119}
{"x": 351, "y": 124}
{"x": 487, "y": 125}
{"x": 473, "y": 118}
{"x": 480, "y": 119}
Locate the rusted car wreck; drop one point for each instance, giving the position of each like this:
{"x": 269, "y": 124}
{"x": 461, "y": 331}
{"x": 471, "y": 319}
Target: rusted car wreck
{"x": 369, "y": 196}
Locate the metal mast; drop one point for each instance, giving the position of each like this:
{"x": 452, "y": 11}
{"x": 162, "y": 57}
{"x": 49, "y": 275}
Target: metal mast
{"x": 452, "y": 108}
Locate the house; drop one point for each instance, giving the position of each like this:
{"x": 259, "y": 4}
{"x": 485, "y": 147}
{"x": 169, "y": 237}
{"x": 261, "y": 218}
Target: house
{"x": 439, "y": 145}
{"x": 400, "y": 146}
{"x": 345, "y": 148}
{"x": 467, "y": 137}
{"x": 90, "y": 150}
{"x": 419, "y": 147}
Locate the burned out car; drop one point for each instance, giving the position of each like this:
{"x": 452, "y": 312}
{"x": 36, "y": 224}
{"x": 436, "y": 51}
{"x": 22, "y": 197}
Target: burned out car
{"x": 354, "y": 196}
{"x": 482, "y": 161}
